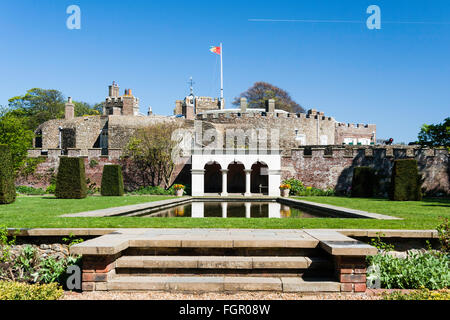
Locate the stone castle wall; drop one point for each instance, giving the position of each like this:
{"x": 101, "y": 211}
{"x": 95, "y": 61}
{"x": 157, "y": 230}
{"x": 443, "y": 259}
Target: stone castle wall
{"x": 87, "y": 130}
{"x": 324, "y": 167}
{"x": 294, "y": 129}
{"x": 332, "y": 167}
{"x": 349, "y": 131}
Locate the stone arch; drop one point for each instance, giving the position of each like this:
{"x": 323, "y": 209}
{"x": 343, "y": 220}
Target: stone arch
{"x": 213, "y": 177}
{"x": 259, "y": 178}
{"x": 236, "y": 177}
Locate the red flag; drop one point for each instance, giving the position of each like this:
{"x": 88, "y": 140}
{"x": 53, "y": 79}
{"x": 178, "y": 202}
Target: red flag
{"x": 215, "y": 50}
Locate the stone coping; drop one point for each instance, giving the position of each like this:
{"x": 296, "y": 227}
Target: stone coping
{"x": 118, "y": 211}
{"x": 332, "y": 241}
{"x": 63, "y": 232}
{"x": 339, "y": 211}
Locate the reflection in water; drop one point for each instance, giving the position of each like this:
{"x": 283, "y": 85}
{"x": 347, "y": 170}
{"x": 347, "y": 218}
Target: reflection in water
{"x": 234, "y": 209}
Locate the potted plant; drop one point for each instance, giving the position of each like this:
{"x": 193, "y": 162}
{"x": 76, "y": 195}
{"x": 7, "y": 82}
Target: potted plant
{"x": 179, "y": 190}
{"x": 285, "y": 188}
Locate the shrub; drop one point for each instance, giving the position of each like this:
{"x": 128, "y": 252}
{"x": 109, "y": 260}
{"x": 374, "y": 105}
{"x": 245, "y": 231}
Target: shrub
{"x": 112, "y": 181}
{"x": 423, "y": 294}
{"x": 363, "y": 182}
{"x": 30, "y": 190}
{"x": 10, "y": 290}
{"x": 51, "y": 189}
{"x": 444, "y": 235}
{"x": 152, "y": 191}
{"x": 7, "y": 187}
{"x": 418, "y": 270}
{"x": 405, "y": 181}
{"x": 296, "y": 186}
{"x": 71, "y": 179}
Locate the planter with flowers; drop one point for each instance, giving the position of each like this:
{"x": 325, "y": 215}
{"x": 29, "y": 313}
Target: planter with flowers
{"x": 285, "y": 188}
{"x": 179, "y": 190}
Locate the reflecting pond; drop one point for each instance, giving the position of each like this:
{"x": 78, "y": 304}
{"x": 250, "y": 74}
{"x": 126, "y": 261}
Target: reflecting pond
{"x": 235, "y": 209}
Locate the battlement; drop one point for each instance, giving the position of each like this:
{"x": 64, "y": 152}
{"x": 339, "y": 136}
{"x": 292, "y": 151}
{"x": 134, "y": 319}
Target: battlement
{"x": 355, "y": 125}
{"x": 361, "y": 151}
{"x": 207, "y": 99}
{"x": 114, "y": 104}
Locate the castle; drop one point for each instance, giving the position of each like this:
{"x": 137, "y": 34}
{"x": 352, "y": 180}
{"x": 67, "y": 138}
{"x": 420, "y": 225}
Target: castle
{"x": 312, "y": 147}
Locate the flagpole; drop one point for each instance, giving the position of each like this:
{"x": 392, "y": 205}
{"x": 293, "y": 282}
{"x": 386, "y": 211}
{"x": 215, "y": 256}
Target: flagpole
{"x": 221, "y": 78}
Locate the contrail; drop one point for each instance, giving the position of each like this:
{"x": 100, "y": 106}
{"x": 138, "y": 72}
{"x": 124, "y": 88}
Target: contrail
{"x": 346, "y": 21}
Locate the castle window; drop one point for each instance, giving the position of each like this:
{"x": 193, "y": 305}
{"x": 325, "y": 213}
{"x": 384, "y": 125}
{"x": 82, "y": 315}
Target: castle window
{"x": 38, "y": 139}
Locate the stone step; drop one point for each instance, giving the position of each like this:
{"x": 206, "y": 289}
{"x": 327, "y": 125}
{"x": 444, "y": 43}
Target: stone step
{"x": 221, "y": 262}
{"x": 221, "y": 284}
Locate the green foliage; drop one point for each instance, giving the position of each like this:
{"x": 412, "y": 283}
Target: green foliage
{"x": 71, "y": 179}
{"x": 85, "y": 109}
{"x": 72, "y": 240}
{"x": 405, "y": 181}
{"x": 26, "y": 262}
{"x": 311, "y": 191}
{"x": 151, "y": 154}
{"x": 51, "y": 189}
{"x": 19, "y": 138}
{"x": 423, "y": 294}
{"x": 21, "y": 291}
{"x": 93, "y": 163}
{"x": 112, "y": 181}
{"x": 30, "y": 190}
{"x": 296, "y": 186}
{"x": 380, "y": 245}
{"x": 153, "y": 191}
{"x": 435, "y": 135}
{"x": 91, "y": 187}
{"x": 7, "y": 187}
{"x": 5, "y": 244}
{"x": 298, "y": 189}
{"x": 363, "y": 182}
{"x": 38, "y": 105}
{"x": 444, "y": 235}
{"x": 418, "y": 270}
{"x": 262, "y": 91}
{"x": 29, "y": 165}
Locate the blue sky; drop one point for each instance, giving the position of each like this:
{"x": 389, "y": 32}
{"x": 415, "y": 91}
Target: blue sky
{"x": 397, "y": 77}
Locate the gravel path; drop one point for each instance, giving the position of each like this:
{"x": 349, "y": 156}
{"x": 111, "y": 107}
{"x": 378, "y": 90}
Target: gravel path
{"x": 258, "y": 295}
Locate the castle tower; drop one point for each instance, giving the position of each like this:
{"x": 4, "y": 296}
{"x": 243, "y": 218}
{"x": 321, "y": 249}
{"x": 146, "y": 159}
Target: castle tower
{"x": 127, "y": 105}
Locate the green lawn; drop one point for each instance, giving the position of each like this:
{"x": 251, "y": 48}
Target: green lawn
{"x": 43, "y": 212}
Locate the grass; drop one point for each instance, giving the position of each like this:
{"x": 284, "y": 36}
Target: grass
{"x": 44, "y": 212}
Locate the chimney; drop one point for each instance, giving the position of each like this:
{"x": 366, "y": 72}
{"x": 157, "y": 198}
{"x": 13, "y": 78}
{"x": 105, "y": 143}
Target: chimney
{"x": 129, "y": 92}
{"x": 150, "y": 112}
{"x": 69, "y": 109}
{"x": 243, "y": 104}
{"x": 270, "y": 105}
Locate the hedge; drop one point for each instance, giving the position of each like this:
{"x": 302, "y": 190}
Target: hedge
{"x": 71, "y": 179}
{"x": 363, "y": 182}
{"x": 112, "y": 181}
{"x": 7, "y": 186}
{"x": 405, "y": 181}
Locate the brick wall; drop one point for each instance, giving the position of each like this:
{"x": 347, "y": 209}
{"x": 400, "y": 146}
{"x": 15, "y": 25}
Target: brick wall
{"x": 335, "y": 171}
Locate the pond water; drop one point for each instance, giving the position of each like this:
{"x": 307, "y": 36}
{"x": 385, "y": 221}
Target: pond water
{"x": 235, "y": 209}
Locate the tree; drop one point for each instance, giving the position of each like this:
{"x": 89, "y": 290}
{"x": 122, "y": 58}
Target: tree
{"x": 85, "y": 109}
{"x": 150, "y": 150}
{"x": 435, "y": 135}
{"x": 14, "y": 133}
{"x": 38, "y": 105}
{"x": 262, "y": 91}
